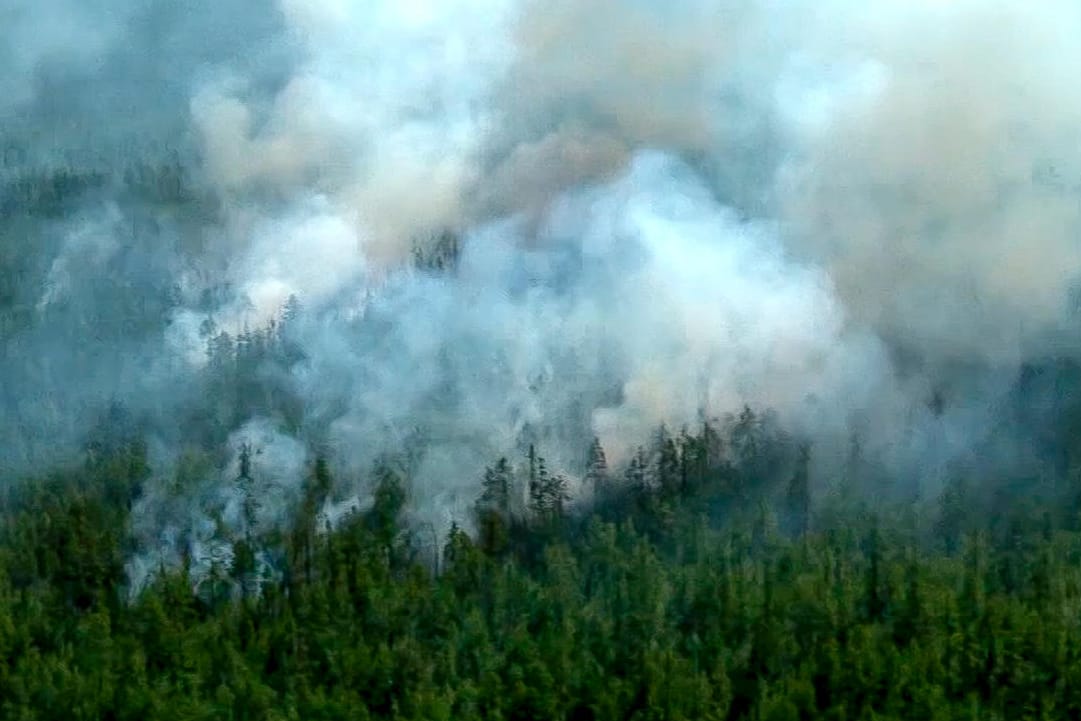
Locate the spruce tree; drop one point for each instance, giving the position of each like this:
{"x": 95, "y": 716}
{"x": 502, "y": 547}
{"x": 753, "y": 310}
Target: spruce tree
{"x": 493, "y": 507}
{"x": 798, "y": 494}
{"x": 597, "y": 471}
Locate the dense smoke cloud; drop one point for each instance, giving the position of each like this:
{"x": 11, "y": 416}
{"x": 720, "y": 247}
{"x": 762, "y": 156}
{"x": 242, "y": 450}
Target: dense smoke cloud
{"x": 664, "y": 211}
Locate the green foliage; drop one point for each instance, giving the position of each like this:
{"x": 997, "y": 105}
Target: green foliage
{"x": 632, "y": 610}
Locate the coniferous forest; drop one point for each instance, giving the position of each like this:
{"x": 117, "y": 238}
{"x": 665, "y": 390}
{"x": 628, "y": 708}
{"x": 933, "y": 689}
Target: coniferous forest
{"x": 699, "y": 586}
{"x": 621, "y": 360}
{"x": 704, "y": 577}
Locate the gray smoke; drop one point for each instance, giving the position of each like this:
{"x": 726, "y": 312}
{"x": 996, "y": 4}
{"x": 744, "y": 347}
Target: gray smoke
{"x": 665, "y": 211}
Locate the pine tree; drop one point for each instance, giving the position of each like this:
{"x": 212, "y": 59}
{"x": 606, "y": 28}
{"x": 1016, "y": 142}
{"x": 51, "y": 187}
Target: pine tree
{"x": 243, "y": 566}
{"x": 597, "y": 471}
{"x": 637, "y": 473}
{"x": 746, "y": 450}
{"x": 693, "y": 461}
{"x": 493, "y": 507}
{"x": 246, "y": 485}
{"x": 798, "y": 495}
{"x": 305, "y": 529}
{"x": 669, "y": 475}
{"x": 555, "y": 494}
{"x": 538, "y": 477}
{"x": 495, "y": 495}
{"x": 547, "y": 492}
{"x": 220, "y": 351}
{"x": 390, "y": 499}
{"x": 874, "y": 599}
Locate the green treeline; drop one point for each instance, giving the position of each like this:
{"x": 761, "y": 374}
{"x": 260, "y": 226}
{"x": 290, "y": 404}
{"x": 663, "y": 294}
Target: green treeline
{"x": 704, "y": 578}
{"x": 692, "y": 589}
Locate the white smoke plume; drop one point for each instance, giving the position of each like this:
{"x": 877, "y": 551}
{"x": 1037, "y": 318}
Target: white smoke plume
{"x": 666, "y": 211}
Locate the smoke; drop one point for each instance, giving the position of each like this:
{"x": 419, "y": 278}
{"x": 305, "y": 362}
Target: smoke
{"x": 194, "y": 513}
{"x": 942, "y": 197}
{"x": 664, "y": 211}
{"x": 43, "y": 38}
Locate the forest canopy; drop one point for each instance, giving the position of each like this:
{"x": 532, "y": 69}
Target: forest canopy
{"x": 521, "y": 360}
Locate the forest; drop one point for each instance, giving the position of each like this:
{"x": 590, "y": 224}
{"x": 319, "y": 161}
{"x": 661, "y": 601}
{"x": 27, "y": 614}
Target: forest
{"x": 690, "y": 589}
{"x": 703, "y": 578}
{"x": 502, "y": 359}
